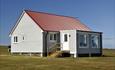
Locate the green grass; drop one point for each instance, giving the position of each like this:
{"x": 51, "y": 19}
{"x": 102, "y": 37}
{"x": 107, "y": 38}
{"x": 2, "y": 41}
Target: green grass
{"x": 4, "y": 50}
{"x": 10, "y": 62}
{"x": 109, "y": 52}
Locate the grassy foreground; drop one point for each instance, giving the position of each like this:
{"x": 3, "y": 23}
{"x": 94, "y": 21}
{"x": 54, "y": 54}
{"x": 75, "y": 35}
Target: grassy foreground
{"x": 9, "y": 62}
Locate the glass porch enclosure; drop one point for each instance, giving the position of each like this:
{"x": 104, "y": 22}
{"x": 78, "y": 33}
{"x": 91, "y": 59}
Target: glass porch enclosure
{"x": 89, "y": 43}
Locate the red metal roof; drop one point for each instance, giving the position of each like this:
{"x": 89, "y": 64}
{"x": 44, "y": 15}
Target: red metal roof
{"x": 52, "y": 22}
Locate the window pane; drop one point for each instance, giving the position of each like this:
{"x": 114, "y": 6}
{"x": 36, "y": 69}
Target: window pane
{"x": 54, "y": 36}
{"x": 23, "y": 37}
{"x": 51, "y": 37}
{"x": 94, "y": 40}
{"x": 16, "y": 39}
{"x": 65, "y": 38}
{"x": 83, "y": 40}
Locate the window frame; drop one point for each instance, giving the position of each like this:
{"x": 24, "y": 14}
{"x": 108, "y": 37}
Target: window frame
{"x": 65, "y": 37}
{"x": 97, "y": 40}
{"x": 15, "y": 39}
{"x": 55, "y": 37}
{"x": 52, "y": 37}
{"x": 86, "y": 40}
{"x": 23, "y": 38}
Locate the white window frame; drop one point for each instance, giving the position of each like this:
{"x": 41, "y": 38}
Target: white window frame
{"x": 53, "y": 39}
{"x": 66, "y": 37}
{"x": 15, "y": 39}
{"x": 86, "y": 36}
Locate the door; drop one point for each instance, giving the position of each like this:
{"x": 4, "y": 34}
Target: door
{"x": 65, "y": 41}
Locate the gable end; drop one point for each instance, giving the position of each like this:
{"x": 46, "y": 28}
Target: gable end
{"x": 18, "y": 21}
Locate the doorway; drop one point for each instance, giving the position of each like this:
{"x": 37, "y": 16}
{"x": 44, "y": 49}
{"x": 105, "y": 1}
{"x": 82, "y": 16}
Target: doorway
{"x": 65, "y": 41}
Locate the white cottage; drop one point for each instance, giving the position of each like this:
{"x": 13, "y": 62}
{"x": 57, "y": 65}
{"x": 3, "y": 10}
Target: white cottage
{"x": 44, "y": 34}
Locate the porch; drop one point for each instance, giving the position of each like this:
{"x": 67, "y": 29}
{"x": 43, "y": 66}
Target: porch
{"x": 74, "y": 42}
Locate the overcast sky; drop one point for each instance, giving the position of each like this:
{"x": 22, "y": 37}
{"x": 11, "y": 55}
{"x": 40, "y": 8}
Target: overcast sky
{"x": 99, "y": 15}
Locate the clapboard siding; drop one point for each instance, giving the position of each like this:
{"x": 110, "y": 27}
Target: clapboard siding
{"x": 32, "y": 34}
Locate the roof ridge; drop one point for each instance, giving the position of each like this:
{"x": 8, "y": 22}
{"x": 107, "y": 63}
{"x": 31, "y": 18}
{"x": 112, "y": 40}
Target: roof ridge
{"x": 52, "y": 14}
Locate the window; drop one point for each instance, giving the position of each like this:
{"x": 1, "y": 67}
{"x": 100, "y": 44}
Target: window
{"x": 65, "y": 38}
{"x": 94, "y": 41}
{"x": 23, "y": 37}
{"x": 83, "y": 40}
{"x": 53, "y": 37}
{"x": 15, "y": 39}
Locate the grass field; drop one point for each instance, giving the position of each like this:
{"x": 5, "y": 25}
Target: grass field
{"x": 10, "y": 62}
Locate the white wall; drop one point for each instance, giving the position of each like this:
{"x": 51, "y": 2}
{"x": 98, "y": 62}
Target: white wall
{"x": 33, "y": 41}
{"x": 72, "y": 40}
